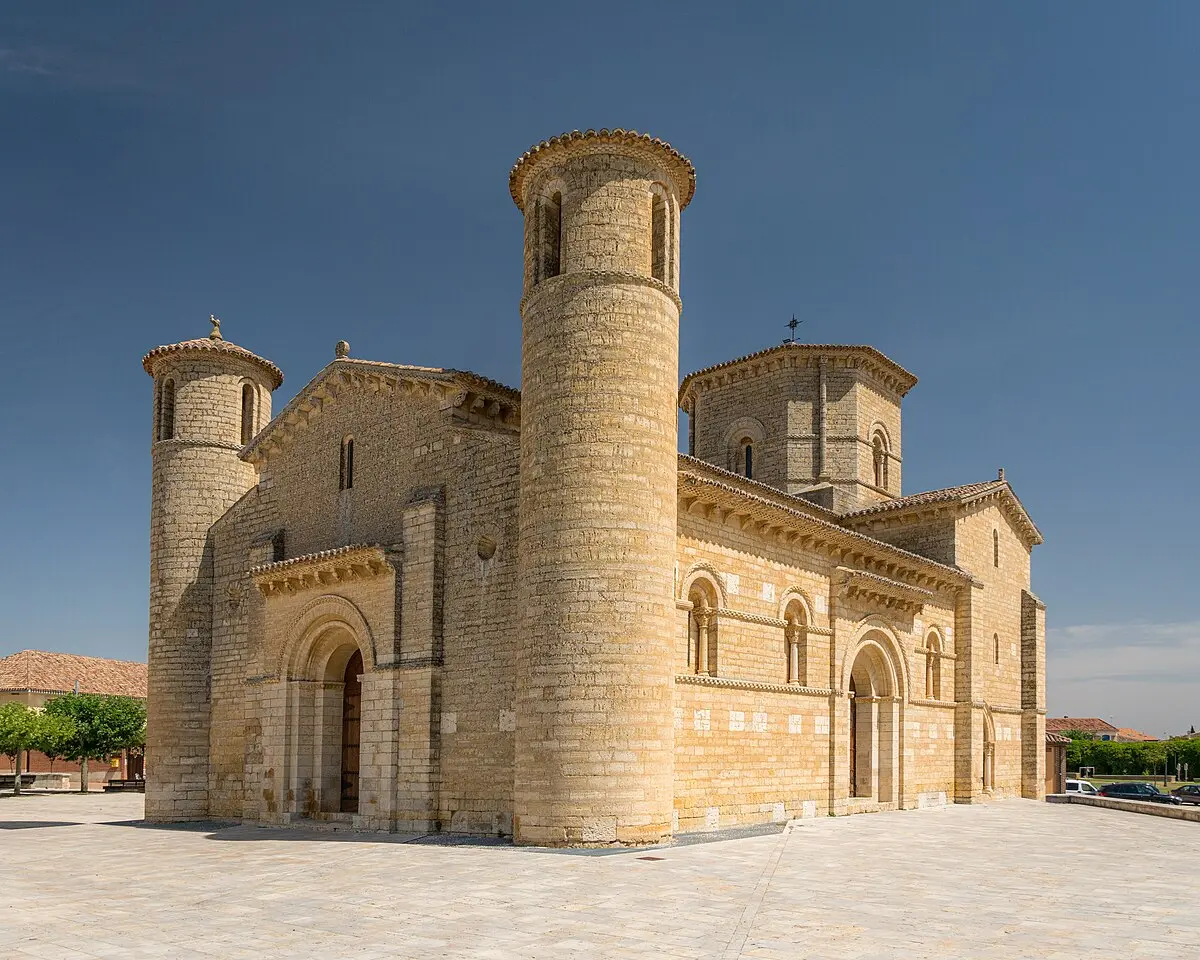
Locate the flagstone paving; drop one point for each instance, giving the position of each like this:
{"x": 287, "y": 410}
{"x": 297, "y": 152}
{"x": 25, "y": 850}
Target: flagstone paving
{"x": 80, "y": 877}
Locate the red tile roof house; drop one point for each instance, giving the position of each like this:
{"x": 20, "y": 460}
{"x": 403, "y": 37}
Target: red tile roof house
{"x": 1101, "y": 729}
{"x": 32, "y": 677}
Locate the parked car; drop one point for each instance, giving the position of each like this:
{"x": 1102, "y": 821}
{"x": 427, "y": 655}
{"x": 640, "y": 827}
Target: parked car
{"x": 1138, "y": 791}
{"x": 1188, "y": 793}
{"x": 1081, "y": 787}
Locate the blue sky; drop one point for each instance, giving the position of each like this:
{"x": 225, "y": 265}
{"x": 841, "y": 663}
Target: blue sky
{"x": 1001, "y": 197}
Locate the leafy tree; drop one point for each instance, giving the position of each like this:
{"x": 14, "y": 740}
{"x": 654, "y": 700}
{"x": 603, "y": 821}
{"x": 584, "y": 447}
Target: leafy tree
{"x": 18, "y": 731}
{"x": 104, "y": 725}
{"x": 54, "y": 736}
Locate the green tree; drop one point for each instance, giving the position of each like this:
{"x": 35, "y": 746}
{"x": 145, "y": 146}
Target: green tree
{"x": 104, "y": 725}
{"x": 54, "y": 736}
{"x": 18, "y": 731}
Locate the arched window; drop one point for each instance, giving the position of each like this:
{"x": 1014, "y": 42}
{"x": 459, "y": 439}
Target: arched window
{"x": 702, "y": 628}
{"x": 346, "y": 471}
{"x": 879, "y": 454}
{"x": 659, "y": 236}
{"x": 247, "y": 413}
{"x": 746, "y": 458}
{"x": 996, "y": 548}
{"x": 166, "y": 410}
{"x": 796, "y": 638}
{"x": 996, "y": 647}
{"x": 551, "y": 230}
{"x": 933, "y": 667}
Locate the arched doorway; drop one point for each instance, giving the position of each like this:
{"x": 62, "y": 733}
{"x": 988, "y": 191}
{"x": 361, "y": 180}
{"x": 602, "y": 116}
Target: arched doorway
{"x": 874, "y": 734}
{"x": 351, "y": 728}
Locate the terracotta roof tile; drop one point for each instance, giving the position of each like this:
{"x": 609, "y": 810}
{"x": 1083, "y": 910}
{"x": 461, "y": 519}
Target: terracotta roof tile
{"x": 210, "y": 345}
{"x": 1056, "y": 738}
{"x": 42, "y": 672}
{"x": 944, "y": 495}
{"x": 1082, "y": 724}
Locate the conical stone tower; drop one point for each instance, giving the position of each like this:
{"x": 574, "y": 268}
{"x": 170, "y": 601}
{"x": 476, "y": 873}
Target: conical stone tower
{"x": 600, "y": 363}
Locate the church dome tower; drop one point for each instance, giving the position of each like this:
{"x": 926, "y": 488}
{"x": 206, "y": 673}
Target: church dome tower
{"x": 210, "y": 398}
{"x": 600, "y": 361}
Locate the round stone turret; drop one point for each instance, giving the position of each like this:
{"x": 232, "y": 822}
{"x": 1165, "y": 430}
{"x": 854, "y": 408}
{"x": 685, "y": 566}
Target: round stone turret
{"x": 600, "y": 358}
{"x": 210, "y": 398}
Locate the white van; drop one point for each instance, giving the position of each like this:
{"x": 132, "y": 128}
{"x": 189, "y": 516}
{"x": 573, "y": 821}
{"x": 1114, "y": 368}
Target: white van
{"x": 1082, "y": 787}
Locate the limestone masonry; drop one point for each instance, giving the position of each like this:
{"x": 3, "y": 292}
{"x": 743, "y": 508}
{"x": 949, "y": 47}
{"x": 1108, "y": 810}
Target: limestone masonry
{"x": 417, "y": 599}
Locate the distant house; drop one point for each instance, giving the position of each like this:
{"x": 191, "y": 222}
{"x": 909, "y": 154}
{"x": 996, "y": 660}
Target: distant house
{"x": 1100, "y": 729}
{"x": 1129, "y": 735}
{"x": 32, "y": 677}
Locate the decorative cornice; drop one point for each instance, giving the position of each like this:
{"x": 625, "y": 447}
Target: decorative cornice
{"x": 598, "y": 277}
{"x": 726, "y": 613}
{"x": 789, "y": 356}
{"x": 918, "y": 702}
{"x": 359, "y": 562}
{"x": 678, "y": 166}
{"x": 185, "y": 442}
{"x": 883, "y": 591}
{"x": 729, "y": 683}
{"x": 723, "y": 497}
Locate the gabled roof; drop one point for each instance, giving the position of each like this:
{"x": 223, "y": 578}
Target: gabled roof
{"x": 965, "y": 494}
{"x": 1082, "y": 724}
{"x": 782, "y": 355}
{"x": 475, "y": 397}
{"x": 1129, "y": 735}
{"x": 36, "y": 671}
{"x": 1056, "y": 738}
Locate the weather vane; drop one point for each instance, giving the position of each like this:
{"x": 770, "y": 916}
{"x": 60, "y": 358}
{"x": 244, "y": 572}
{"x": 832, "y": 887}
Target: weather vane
{"x": 216, "y": 327}
{"x": 792, "y": 325}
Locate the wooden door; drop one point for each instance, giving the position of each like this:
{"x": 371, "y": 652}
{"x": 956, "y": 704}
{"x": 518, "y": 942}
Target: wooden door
{"x": 351, "y": 725}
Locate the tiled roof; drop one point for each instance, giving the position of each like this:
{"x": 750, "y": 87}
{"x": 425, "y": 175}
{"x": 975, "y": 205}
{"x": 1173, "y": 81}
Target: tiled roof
{"x": 211, "y": 345}
{"x": 1082, "y": 724}
{"x": 961, "y": 494}
{"x": 42, "y": 672}
{"x": 943, "y": 495}
{"x": 904, "y": 379}
{"x": 1056, "y": 738}
{"x": 1129, "y": 735}
{"x": 685, "y": 173}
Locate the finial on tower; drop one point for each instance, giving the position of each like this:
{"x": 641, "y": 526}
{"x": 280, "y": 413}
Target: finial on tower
{"x": 216, "y": 330}
{"x": 792, "y": 325}
{"x": 1000, "y": 476}
{"x": 342, "y": 350}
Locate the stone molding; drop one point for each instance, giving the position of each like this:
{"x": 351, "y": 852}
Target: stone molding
{"x": 923, "y": 702}
{"x": 185, "y": 442}
{"x": 730, "y": 683}
{"x": 326, "y": 568}
{"x": 598, "y": 277}
{"x": 726, "y": 613}
{"x": 883, "y": 591}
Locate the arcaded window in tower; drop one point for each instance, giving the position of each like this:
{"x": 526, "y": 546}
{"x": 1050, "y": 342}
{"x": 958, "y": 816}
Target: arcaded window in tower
{"x": 247, "y": 413}
{"x": 746, "y": 458}
{"x": 995, "y": 548}
{"x": 346, "y": 471}
{"x": 166, "y": 410}
{"x": 879, "y": 454}
{"x": 550, "y": 210}
{"x": 659, "y": 237}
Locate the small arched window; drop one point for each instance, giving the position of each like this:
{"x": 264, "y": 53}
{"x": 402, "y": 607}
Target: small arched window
{"x": 551, "y": 231}
{"x": 166, "y": 410}
{"x": 996, "y": 648}
{"x": 879, "y": 455}
{"x": 795, "y": 632}
{"x": 346, "y": 470}
{"x": 658, "y": 236}
{"x": 247, "y": 413}
{"x": 747, "y": 458}
{"x": 996, "y": 548}
{"x": 702, "y": 628}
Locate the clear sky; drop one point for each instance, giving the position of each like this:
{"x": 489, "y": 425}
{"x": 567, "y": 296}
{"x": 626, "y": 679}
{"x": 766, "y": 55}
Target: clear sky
{"x": 1001, "y": 197}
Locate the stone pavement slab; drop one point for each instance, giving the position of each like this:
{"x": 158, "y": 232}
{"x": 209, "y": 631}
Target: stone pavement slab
{"x": 82, "y": 877}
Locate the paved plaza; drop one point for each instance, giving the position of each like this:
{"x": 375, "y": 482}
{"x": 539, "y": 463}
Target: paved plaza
{"x": 81, "y": 877}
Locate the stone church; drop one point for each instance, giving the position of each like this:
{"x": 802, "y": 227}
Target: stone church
{"x": 420, "y": 600}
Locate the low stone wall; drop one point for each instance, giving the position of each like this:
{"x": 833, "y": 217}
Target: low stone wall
{"x": 1131, "y": 806}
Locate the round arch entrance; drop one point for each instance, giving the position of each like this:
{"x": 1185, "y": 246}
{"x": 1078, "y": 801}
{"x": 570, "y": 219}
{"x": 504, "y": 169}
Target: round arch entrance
{"x": 874, "y": 689}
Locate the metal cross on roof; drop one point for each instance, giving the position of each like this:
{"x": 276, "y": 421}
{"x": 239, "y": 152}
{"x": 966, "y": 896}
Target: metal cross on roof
{"x": 792, "y": 325}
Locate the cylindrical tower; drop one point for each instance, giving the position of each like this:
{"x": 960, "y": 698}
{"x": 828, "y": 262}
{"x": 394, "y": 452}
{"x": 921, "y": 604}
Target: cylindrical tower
{"x": 210, "y": 399}
{"x": 600, "y": 361}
